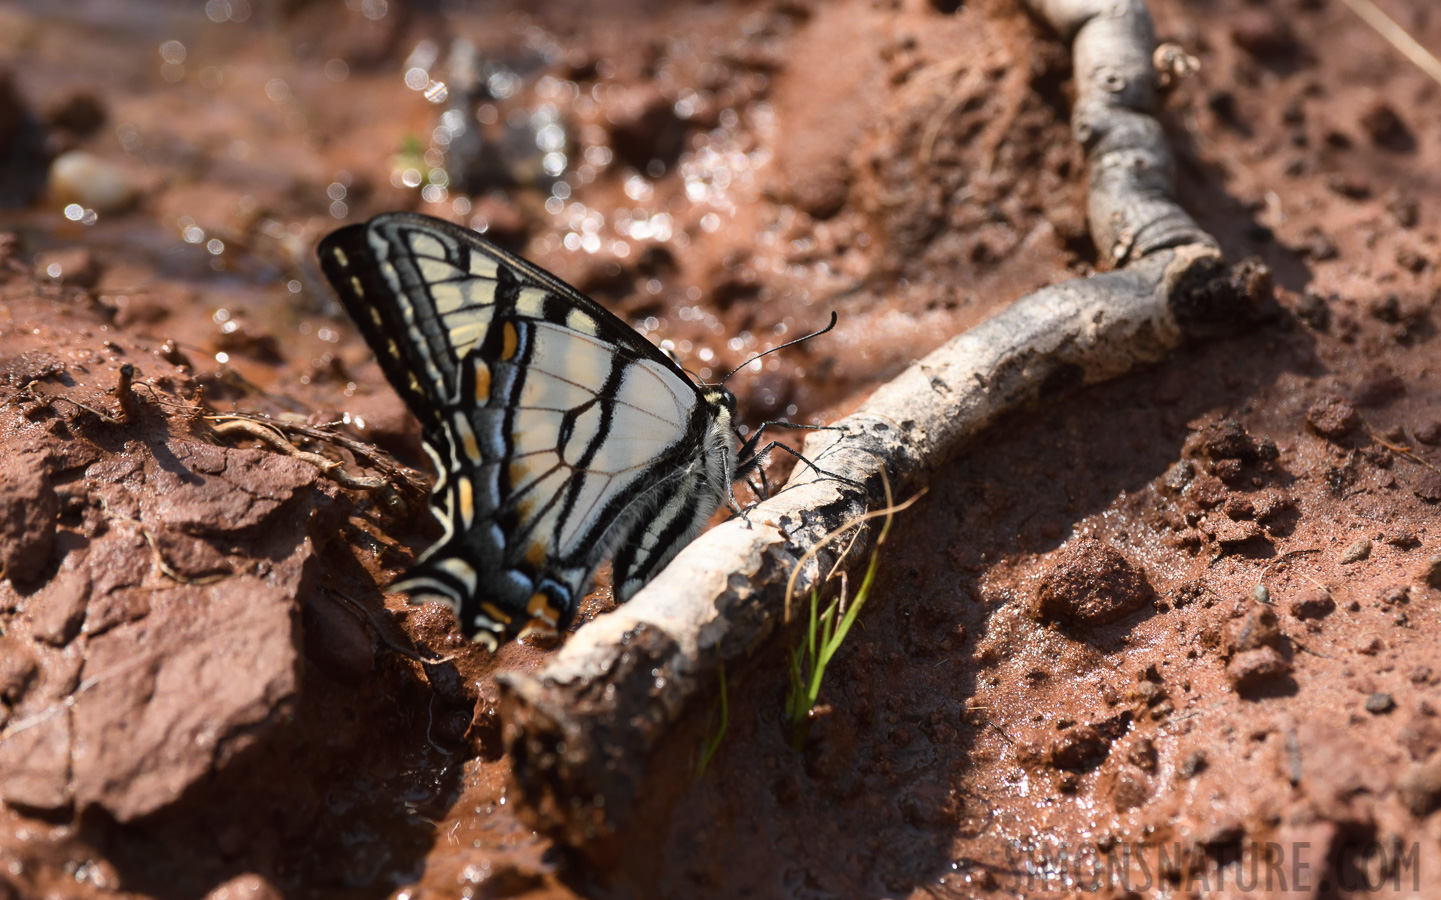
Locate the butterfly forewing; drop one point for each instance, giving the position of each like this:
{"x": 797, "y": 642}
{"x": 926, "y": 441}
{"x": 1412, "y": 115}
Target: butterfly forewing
{"x": 559, "y": 434}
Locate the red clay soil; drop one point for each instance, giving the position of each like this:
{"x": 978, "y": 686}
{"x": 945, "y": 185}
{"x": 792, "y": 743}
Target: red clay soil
{"x": 1176, "y": 635}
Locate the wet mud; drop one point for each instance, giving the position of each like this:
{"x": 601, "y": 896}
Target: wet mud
{"x": 1180, "y": 629}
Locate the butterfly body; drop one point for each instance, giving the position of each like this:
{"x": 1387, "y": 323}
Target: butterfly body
{"x": 560, "y": 436}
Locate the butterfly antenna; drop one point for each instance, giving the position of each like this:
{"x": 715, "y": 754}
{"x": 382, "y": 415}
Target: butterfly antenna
{"x": 798, "y": 340}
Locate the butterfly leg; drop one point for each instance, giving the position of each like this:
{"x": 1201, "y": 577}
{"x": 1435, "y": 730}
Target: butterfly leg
{"x": 752, "y": 459}
{"x": 754, "y": 463}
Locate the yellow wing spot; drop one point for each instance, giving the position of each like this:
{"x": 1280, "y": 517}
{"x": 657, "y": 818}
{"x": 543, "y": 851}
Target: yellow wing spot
{"x": 530, "y": 302}
{"x": 535, "y": 555}
{"x": 465, "y": 499}
{"x": 510, "y": 340}
{"x": 392, "y": 348}
{"x": 540, "y": 610}
{"x": 495, "y": 613}
{"x": 375, "y": 317}
{"x": 415, "y": 384}
{"x": 579, "y": 321}
{"x": 482, "y": 382}
{"x": 340, "y": 256}
{"x": 355, "y": 286}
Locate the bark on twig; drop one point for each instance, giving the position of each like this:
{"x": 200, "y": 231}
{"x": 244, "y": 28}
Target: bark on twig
{"x": 582, "y": 731}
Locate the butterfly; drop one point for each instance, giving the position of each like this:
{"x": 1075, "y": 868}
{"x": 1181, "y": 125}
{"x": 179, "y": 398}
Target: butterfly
{"x": 561, "y": 437}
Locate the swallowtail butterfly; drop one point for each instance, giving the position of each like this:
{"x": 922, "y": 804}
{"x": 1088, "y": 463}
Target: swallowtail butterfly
{"x": 560, "y": 436}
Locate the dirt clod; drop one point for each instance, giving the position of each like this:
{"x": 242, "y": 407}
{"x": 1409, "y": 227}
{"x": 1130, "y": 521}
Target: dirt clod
{"x": 28, "y": 507}
{"x": 1251, "y": 669}
{"x": 1420, "y": 787}
{"x": 1257, "y": 627}
{"x": 1430, "y": 572}
{"x": 1380, "y": 704}
{"x": 1312, "y": 603}
{"x": 1091, "y": 584}
{"x": 1079, "y": 749}
{"x": 17, "y": 667}
{"x": 1356, "y": 552}
{"x": 1332, "y": 417}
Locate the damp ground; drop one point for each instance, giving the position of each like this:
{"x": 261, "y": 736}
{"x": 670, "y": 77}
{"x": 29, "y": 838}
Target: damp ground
{"x": 1177, "y": 628}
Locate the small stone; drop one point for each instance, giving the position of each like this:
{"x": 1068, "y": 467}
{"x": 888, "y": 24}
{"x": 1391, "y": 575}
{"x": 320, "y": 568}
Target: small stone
{"x": 1427, "y": 487}
{"x": 1079, "y": 749}
{"x": 1356, "y": 552}
{"x": 1430, "y": 433}
{"x": 1332, "y": 417}
{"x": 1253, "y": 668}
{"x": 1379, "y": 704}
{"x": 28, "y": 510}
{"x": 1430, "y": 572}
{"x": 17, "y": 668}
{"x": 1091, "y": 584}
{"x": 1312, "y": 603}
{"x": 57, "y": 610}
{"x": 1208, "y": 492}
{"x": 1258, "y": 627}
{"x": 91, "y": 182}
{"x": 1420, "y": 788}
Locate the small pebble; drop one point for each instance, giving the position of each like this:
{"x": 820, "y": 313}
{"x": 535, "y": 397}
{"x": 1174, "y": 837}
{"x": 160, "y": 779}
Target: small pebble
{"x": 1332, "y": 417}
{"x": 1430, "y": 572}
{"x": 1255, "y": 667}
{"x": 93, "y": 183}
{"x": 1356, "y": 552}
{"x": 1313, "y": 603}
{"x": 1379, "y": 704}
{"x": 1420, "y": 788}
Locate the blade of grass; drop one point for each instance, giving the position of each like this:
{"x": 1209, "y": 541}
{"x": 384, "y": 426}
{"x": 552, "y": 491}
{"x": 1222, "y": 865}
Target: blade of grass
{"x": 827, "y": 631}
{"x": 712, "y": 744}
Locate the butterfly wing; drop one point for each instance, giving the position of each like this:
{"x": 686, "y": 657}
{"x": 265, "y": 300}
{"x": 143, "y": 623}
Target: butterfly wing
{"x": 557, "y": 431}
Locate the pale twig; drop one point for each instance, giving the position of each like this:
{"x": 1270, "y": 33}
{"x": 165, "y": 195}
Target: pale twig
{"x": 1397, "y": 37}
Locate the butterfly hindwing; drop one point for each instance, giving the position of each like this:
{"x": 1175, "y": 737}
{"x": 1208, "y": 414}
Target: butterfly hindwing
{"x": 559, "y": 434}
